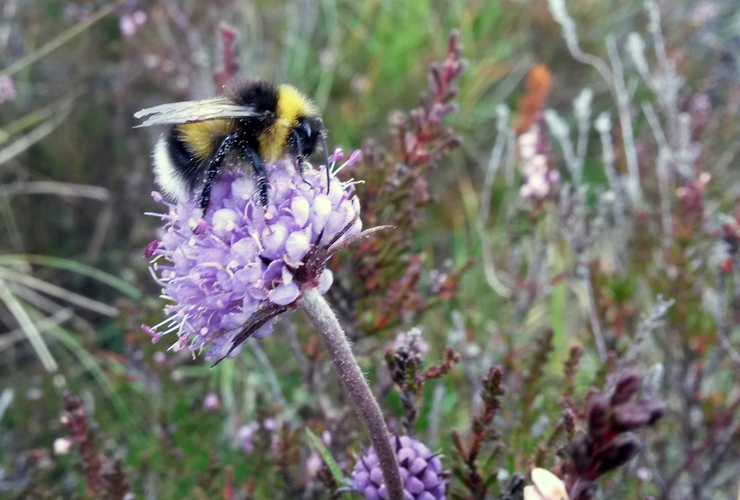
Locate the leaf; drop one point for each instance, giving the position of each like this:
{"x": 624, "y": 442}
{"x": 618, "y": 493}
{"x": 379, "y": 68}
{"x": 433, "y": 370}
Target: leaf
{"x": 76, "y": 267}
{"x": 316, "y": 443}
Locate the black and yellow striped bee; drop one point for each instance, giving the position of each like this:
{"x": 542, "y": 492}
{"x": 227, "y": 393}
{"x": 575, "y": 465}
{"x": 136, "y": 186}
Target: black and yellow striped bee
{"x": 257, "y": 122}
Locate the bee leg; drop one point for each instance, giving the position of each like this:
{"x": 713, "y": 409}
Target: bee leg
{"x": 326, "y": 159}
{"x": 300, "y": 165}
{"x": 258, "y": 167}
{"x": 214, "y": 168}
{"x": 295, "y": 145}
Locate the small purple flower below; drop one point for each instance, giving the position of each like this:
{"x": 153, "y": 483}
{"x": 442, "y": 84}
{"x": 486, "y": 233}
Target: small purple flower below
{"x": 7, "y": 89}
{"x": 421, "y": 473}
{"x": 240, "y": 259}
{"x": 245, "y": 436}
{"x": 211, "y": 402}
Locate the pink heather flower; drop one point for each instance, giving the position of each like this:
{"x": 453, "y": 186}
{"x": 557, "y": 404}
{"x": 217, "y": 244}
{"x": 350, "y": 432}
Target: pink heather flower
{"x": 313, "y": 464}
{"x": 245, "y": 436}
{"x": 7, "y": 89}
{"x": 129, "y": 23}
{"x": 421, "y": 473}
{"x": 539, "y": 177}
{"x": 413, "y": 340}
{"x": 270, "y": 424}
{"x": 229, "y": 274}
{"x": 210, "y": 402}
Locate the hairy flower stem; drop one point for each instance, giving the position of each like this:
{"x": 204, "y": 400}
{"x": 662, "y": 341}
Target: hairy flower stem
{"x": 341, "y": 354}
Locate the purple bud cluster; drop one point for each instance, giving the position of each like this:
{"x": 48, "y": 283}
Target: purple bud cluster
{"x": 421, "y": 472}
{"x": 608, "y": 444}
{"x": 218, "y": 269}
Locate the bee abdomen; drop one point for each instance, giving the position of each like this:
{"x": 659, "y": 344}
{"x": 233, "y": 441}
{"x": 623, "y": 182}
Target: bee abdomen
{"x": 176, "y": 168}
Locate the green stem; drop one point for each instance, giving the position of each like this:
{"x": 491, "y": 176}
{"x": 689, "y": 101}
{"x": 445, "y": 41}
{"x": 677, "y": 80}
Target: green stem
{"x": 341, "y": 354}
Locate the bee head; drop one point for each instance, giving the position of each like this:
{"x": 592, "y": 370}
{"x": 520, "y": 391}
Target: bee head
{"x": 305, "y": 136}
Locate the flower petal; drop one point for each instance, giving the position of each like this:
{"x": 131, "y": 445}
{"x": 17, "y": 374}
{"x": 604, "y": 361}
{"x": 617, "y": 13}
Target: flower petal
{"x": 325, "y": 281}
{"x": 298, "y": 244}
{"x": 301, "y": 209}
{"x": 285, "y": 294}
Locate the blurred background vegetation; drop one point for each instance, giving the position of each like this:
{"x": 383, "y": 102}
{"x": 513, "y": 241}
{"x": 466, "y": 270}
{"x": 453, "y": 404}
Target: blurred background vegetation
{"x": 75, "y": 180}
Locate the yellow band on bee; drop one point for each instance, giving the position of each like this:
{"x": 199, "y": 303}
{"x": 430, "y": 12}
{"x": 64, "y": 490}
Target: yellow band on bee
{"x": 202, "y": 138}
{"x": 291, "y": 106}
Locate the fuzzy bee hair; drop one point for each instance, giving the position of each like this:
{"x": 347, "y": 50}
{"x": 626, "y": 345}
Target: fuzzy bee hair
{"x": 257, "y": 122}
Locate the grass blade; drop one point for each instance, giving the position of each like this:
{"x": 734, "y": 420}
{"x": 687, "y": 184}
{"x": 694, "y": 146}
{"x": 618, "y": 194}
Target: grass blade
{"x": 29, "y": 328}
{"x": 76, "y": 267}
{"x": 316, "y": 443}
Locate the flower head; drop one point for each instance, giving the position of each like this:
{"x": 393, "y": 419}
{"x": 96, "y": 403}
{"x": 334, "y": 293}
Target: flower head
{"x": 229, "y": 273}
{"x": 421, "y": 472}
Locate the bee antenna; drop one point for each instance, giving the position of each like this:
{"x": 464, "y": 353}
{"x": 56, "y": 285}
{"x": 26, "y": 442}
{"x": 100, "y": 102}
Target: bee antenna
{"x": 326, "y": 155}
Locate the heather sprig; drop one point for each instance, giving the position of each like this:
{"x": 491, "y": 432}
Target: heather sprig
{"x": 75, "y": 419}
{"x": 424, "y": 139}
{"x": 405, "y": 360}
{"x": 530, "y": 389}
{"x": 468, "y": 471}
{"x": 104, "y": 478}
{"x": 540, "y": 177}
{"x": 608, "y": 442}
{"x": 229, "y": 60}
{"x": 570, "y": 368}
{"x": 395, "y": 191}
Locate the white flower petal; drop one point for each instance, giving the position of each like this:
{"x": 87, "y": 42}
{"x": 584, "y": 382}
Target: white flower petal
{"x": 273, "y": 239}
{"x": 320, "y": 212}
{"x": 62, "y": 445}
{"x": 224, "y": 220}
{"x": 287, "y": 275}
{"x": 297, "y": 245}
{"x": 550, "y": 486}
{"x": 531, "y": 493}
{"x": 301, "y": 210}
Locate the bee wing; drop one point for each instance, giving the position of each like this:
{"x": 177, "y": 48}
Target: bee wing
{"x": 177, "y": 113}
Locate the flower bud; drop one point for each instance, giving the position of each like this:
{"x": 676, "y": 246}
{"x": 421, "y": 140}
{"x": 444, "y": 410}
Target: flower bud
{"x": 627, "y": 385}
{"x": 421, "y": 472}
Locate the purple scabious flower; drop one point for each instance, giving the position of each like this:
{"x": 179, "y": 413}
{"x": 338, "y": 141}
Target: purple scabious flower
{"x": 421, "y": 473}
{"x": 229, "y": 273}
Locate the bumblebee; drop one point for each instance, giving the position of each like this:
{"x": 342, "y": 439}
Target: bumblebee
{"x": 257, "y": 122}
